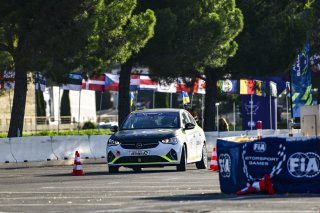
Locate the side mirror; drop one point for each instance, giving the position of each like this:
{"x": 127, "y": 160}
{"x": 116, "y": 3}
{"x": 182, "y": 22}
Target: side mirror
{"x": 189, "y": 126}
{"x": 114, "y": 128}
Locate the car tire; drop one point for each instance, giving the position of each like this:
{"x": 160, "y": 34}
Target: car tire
{"x": 183, "y": 161}
{"x": 137, "y": 169}
{"x": 203, "y": 163}
{"x": 113, "y": 169}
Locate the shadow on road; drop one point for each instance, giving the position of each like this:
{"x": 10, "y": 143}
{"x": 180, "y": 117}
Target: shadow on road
{"x": 221, "y": 196}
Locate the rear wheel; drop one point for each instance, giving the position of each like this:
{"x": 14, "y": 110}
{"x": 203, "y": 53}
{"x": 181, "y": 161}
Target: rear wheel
{"x": 203, "y": 163}
{"x": 183, "y": 161}
{"x": 113, "y": 169}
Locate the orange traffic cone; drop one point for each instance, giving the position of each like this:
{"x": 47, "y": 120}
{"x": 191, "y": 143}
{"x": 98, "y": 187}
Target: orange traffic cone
{"x": 214, "y": 161}
{"x": 77, "y": 167}
{"x": 264, "y": 185}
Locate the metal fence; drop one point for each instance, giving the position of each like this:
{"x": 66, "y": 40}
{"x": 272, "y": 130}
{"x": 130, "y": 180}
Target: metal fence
{"x": 34, "y": 124}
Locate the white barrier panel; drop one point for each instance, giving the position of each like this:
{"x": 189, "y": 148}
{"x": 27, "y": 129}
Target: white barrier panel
{"x": 64, "y": 147}
{"x": 98, "y": 145}
{"x": 32, "y": 148}
{"x": 5, "y": 151}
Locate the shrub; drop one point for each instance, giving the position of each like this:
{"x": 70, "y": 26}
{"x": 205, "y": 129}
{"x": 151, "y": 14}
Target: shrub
{"x": 88, "y": 125}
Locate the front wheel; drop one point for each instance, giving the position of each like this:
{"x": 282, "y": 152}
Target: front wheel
{"x": 113, "y": 169}
{"x": 203, "y": 163}
{"x": 183, "y": 160}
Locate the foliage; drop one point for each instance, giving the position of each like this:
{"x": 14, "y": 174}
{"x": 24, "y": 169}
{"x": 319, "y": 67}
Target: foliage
{"x": 274, "y": 33}
{"x": 88, "y": 125}
{"x": 65, "y": 111}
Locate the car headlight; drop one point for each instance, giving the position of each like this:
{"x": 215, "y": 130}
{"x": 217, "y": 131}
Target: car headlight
{"x": 112, "y": 142}
{"x": 172, "y": 140}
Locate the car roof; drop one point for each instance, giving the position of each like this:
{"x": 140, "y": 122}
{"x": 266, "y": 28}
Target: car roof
{"x": 158, "y": 110}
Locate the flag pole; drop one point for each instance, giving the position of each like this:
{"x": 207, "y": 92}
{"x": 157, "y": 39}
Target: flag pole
{"x": 79, "y": 112}
{"x": 35, "y": 102}
{"x": 59, "y": 111}
{"x": 202, "y": 110}
{"x": 153, "y": 97}
{"x": 234, "y": 116}
{"x": 270, "y": 112}
{"x": 251, "y": 103}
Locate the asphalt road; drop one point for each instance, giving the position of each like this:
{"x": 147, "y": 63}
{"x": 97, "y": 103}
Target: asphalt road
{"x": 53, "y": 189}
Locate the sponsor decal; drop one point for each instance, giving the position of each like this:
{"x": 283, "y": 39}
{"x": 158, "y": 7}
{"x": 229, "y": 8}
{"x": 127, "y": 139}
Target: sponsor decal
{"x": 301, "y": 165}
{"x": 225, "y": 165}
{"x": 259, "y": 147}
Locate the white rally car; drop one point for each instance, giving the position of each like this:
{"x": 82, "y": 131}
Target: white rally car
{"x": 157, "y": 138}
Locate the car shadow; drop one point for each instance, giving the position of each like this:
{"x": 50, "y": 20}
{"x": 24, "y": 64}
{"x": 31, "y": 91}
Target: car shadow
{"x": 222, "y": 196}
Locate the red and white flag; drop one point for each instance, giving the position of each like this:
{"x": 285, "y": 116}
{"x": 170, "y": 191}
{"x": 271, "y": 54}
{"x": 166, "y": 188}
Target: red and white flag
{"x": 94, "y": 83}
{"x": 146, "y": 83}
{"x": 165, "y": 86}
{"x": 181, "y": 86}
{"x": 111, "y": 82}
{"x": 134, "y": 82}
{"x": 200, "y": 86}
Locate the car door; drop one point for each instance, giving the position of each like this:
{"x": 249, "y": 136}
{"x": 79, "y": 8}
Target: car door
{"x": 190, "y": 138}
{"x": 197, "y": 138}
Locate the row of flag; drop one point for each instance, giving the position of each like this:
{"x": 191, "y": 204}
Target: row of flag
{"x": 248, "y": 87}
{"x": 109, "y": 81}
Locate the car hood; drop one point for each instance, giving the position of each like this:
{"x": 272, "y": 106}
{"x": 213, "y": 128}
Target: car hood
{"x": 145, "y": 133}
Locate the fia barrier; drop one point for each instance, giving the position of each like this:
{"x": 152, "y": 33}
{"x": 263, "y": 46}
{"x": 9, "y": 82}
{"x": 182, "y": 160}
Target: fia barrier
{"x": 292, "y": 163}
{"x": 5, "y": 151}
{"x": 25, "y": 149}
{"x": 64, "y": 147}
{"x": 98, "y": 145}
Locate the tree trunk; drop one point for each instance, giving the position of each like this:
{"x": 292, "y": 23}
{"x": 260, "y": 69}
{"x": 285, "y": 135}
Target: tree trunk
{"x": 210, "y": 100}
{"x": 124, "y": 89}
{"x": 19, "y": 102}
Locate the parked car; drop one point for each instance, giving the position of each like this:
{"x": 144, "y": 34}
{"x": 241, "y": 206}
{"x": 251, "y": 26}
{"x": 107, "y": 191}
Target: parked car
{"x": 157, "y": 138}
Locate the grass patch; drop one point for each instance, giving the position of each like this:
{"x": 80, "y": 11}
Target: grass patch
{"x": 64, "y": 133}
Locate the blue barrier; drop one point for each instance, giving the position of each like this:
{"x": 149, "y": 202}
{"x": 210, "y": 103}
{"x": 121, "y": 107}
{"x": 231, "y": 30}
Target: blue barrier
{"x": 292, "y": 163}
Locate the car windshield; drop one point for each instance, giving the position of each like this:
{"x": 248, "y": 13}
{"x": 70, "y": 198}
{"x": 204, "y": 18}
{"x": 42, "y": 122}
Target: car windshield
{"x": 152, "y": 120}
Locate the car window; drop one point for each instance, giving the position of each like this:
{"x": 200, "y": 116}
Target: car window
{"x": 185, "y": 119}
{"x": 191, "y": 119}
{"x": 152, "y": 120}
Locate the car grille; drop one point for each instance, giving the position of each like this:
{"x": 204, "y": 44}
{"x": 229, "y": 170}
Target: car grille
{"x": 140, "y": 159}
{"x": 139, "y": 145}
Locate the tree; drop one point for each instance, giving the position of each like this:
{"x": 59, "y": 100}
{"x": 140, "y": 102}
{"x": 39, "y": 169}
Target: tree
{"x": 39, "y": 35}
{"x": 65, "y": 111}
{"x": 192, "y": 37}
{"x": 275, "y": 32}
{"x": 62, "y": 36}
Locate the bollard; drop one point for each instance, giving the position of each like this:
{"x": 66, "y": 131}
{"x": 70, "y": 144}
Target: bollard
{"x": 259, "y": 129}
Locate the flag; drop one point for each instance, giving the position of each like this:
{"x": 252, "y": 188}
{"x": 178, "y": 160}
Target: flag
{"x": 258, "y": 88}
{"x": 228, "y": 86}
{"x": 273, "y": 89}
{"x": 7, "y": 80}
{"x": 112, "y": 82}
{"x": 246, "y": 87}
{"x": 131, "y": 98}
{"x": 146, "y": 83}
{"x": 40, "y": 82}
{"x": 199, "y": 86}
{"x": 134, "y": 82}
{"x": 181, "y": 86}
{"x": 185, "y": 97}
{"x": 95, "y": 83}
{"x": 288, "y": 90}
{"x": 164, "y": 86}
{"x": 74, "y": 82}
